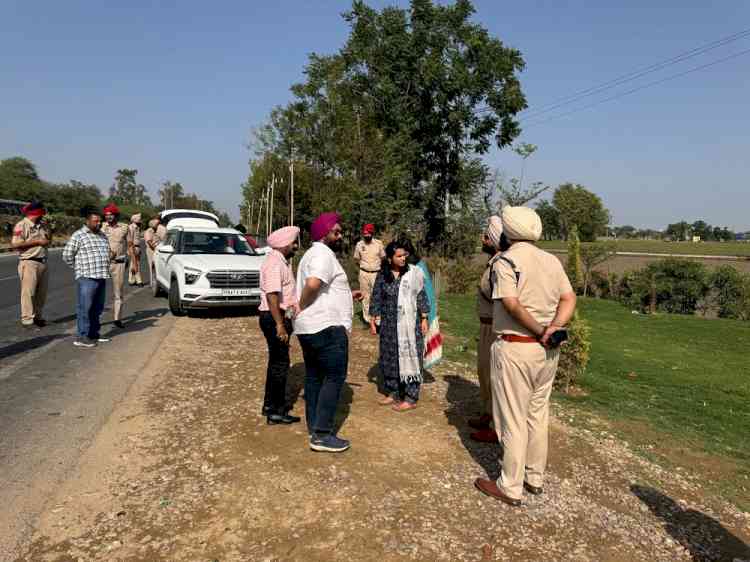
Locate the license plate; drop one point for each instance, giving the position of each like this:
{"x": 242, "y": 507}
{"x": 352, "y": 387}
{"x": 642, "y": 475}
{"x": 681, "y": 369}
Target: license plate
{"x": 235, "y": 292}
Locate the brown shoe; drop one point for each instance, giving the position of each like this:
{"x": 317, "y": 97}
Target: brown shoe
{"x": 491, "y": 489}
{"x": 533, "y": 490}
{"x": 487, "y": 435}
{"x": 482, "y": 422}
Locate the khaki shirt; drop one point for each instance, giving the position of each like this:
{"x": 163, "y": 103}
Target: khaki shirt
{"x": 541, "y": 282}
{"x": 369, "y": 255}
{"x": 149, "y": 236}
{"x": 484, "y": 295}
{"x": 118, "y": 239}
{"x": 161, "y": 233}
{"x": 26, "y": 231}
{"x": 134, "y": 235}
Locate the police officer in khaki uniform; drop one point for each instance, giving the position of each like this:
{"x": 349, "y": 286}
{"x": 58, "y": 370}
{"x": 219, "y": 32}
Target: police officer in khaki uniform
{"x": 30, "y": 240}
{"x": 151, "y": 241}
{"x": 369, "y": 254}
{"x": 490, "y": 246}
{"x": 134, "y": 251}
{"x": 117, "y": 235}
{"x": 533, "y": 299}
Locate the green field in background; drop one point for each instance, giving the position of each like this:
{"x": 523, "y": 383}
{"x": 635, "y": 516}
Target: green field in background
{"x": 662, "y": 247}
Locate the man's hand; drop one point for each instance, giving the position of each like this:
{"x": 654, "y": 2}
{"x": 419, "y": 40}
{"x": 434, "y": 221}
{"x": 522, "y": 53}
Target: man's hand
{"x": 424, "y": 326}
{"x": 43, "y": 243}
{"x": 374, "y": 325}
{"x": 358, "y": 295}
{"x": 548, "y": 331}
{"x": 282, "y": 334}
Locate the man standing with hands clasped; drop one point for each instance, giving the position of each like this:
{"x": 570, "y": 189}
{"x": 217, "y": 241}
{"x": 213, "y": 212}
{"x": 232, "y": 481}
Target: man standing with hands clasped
{"x": 533, "y": 302}
{"x": 30, "y": 240}
{"x": 369, "y": 254}
{"x": 278, "y": 302}
{"x": 117, "y": 234}
{"x": 323, "y": 325}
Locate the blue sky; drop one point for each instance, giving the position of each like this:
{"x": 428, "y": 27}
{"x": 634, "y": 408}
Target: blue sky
{"x": 173, "y": 88}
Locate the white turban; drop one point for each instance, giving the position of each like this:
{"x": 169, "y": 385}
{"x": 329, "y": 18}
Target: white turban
{"x": 521, "y": 223}
{"x": 495, "y": 230}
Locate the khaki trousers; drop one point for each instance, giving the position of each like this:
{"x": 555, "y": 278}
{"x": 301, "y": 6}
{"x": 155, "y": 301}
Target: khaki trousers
{"x": 117, "y": 270}
{"x": 150, "y": 259}
{"x": 366, "y": 284}
{"x": 33, "y": 277}
{"x": 486, "y": 338}
{"x": 134, "y": 278}
{"x": 522, "y": 377}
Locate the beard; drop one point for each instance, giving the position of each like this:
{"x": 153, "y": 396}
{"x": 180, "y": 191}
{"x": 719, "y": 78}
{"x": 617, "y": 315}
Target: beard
{"x": 335, "y": 245}
{"x": 489, "y": 250}
{"x": 368, "y": 238}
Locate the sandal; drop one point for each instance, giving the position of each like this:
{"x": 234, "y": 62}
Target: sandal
{"x": 386, "y": 401}
{"x": 404, "y": 406}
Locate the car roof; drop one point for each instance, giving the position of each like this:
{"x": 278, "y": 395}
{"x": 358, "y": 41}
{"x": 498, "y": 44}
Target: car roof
{"x": 205, "y": 229}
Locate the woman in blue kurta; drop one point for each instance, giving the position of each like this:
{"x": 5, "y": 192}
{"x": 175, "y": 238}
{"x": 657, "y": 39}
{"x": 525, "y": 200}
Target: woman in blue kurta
{"x": 399, "y": 302}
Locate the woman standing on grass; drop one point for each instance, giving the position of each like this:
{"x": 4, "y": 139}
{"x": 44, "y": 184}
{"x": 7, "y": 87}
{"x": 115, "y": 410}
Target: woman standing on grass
{"x": 400, "y": 305}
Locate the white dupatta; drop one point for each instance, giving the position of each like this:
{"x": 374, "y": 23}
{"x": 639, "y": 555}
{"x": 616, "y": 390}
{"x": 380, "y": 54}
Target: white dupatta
{"x": 409, "y": 361}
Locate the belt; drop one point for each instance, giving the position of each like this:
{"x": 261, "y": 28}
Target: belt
{"x": 368, "y": 271}
{"x": 40, "y": 260}
{"x": 519, "y": 339}
{"x": 483, "y": 320}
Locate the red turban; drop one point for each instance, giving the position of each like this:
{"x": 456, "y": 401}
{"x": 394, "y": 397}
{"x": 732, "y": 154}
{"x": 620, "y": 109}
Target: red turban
{"x": 323, "y": 225}
{"x": 112, "y": 209}
{"x": 368, "y": 229}
{"x": 33, "y": 209}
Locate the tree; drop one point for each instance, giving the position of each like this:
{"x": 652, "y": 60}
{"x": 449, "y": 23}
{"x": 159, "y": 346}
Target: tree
{"x": 575, "y": 266}
{"x": 679, "y": 231}
{"x": 703, "y": 230}
{"x": 580, "y": 208}
{"x": 389, "y": 129}
{"x": 592, "y": 256}
{"x": 524, "y": 150}
{"x": 19, "y": 180}
{"x": 550, "y": 220}
{"x": 126, "y": 191}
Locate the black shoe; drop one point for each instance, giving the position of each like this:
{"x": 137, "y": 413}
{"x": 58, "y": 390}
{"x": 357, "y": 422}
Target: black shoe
{"x": 119, "y": 324}
{"x": 40, "y": 322}
{"x": 275, "y": 419}
{"x": 533, "y": 490}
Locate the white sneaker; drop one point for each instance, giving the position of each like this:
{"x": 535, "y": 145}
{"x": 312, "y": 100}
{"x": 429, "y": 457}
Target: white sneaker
{"x": 103, "y": 340}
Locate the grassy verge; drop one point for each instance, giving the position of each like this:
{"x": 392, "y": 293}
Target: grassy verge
{"x": 662, "y": 247}
{"x": 677, "y": 387}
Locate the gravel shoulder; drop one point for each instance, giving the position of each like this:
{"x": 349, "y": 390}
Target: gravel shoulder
{"x": 186, "y": 470}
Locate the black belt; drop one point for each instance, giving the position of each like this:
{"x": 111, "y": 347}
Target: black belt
{"x": 39, "y": 260}
{"x": 368, "y": 271}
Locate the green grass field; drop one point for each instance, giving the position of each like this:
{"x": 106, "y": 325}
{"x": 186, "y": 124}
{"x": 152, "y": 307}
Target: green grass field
{"x": 679, "y": 386}
{"x": 741, "y": 249}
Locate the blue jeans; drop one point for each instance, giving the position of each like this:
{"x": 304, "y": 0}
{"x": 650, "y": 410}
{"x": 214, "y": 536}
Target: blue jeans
{"x": 326, "y": 363}
{"x": 91, "y": 293}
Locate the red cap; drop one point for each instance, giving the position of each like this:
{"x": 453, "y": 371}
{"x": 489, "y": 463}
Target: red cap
{"x": 368, "y": 229}
{"x": 33, "y": 209}
{"x": 112, "y": 209}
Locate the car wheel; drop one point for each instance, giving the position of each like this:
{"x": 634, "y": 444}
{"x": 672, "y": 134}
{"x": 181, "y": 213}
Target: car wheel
{"x": 156, "y": 289}
{"x": 175, "y": 304}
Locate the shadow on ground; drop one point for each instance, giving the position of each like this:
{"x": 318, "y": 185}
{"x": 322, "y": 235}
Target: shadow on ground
{"x": 463, "y": 402}
{"x": 29, "y": 345}
{"x": 704, "y": 537}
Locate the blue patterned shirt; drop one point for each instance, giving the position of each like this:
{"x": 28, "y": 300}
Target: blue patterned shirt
{"x": 88, "y": 253}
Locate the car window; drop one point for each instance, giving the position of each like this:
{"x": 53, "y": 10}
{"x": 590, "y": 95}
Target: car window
{"x": 172, "y": 239}
{"x": 215, "y": 243}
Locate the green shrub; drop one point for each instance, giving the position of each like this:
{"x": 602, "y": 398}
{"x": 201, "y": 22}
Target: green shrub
{"x": 574, "y": 266}
{"x": 731, "y": 293}
{"x": 575, "y": 354}
{"x": 675, "y": 286}
{"x": 463, "y": 276}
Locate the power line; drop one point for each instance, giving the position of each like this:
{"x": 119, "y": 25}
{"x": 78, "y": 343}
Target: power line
{"x": 533, "y": 112}
{"x": 639, "y": 88}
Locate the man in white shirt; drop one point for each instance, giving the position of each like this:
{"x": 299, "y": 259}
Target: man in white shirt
{"x": 322, "y": 326}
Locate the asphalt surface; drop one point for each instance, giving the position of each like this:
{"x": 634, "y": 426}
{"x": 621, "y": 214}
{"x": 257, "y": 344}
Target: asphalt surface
{"x": 55, "y": 397}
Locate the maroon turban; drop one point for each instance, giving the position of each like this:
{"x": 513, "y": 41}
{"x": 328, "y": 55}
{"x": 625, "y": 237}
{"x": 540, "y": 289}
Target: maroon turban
{"x": 323, "y": 225}
{"x": 112, "y": 209}
{"x": 368, "y": 229}
{"x": 33, "y": 209}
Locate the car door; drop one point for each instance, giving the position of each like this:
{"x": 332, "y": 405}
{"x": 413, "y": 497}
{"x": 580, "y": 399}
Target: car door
{"x": 162, "y": 258}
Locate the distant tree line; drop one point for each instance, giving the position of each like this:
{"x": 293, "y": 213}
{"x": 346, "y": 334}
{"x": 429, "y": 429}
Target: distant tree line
{"x": 19, "y": 180}
{"x": 676, "y": 232}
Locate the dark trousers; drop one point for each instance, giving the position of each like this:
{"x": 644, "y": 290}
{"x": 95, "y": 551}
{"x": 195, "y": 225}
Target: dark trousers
{"x": 326, "y": 363}
{"x": 91, "y": 294}
{"x": 274, "y": 401}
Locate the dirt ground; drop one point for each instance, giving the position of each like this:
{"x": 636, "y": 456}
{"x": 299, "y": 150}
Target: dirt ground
{"x": 187, "y": 470}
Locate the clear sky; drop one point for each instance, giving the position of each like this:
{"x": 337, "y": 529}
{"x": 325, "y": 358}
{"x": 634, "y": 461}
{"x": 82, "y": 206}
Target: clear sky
{"x": 172, "y": 89}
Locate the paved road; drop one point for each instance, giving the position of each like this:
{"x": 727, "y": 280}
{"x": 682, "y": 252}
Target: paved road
{"x": 54, "y": 397}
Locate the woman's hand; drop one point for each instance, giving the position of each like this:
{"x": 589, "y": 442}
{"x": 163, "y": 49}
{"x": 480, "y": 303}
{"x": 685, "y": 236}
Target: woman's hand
{"x": 425, "y": 327}
{"x": 373, "y": 325}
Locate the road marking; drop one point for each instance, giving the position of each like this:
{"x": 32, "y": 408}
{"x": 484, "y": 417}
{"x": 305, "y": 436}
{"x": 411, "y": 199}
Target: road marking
{"x": 9, "y": 278}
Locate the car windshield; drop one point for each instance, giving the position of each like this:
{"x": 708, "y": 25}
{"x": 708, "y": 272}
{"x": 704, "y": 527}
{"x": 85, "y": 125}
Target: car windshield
{"x": 215, "y": 243}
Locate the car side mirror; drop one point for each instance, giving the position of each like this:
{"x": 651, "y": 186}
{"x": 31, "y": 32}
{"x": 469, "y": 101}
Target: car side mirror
{"x": 166, "y": 249}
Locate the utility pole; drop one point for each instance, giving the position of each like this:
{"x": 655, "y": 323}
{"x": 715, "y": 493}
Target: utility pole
{"x": 291, "y": 190}
{"x": 273, "y": 192}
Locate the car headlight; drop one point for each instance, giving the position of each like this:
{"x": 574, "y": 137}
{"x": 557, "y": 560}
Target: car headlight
{"x": 192, "y": 275}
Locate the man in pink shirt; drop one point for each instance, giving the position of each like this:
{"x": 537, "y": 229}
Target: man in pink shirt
{"x": 278, "y": 304}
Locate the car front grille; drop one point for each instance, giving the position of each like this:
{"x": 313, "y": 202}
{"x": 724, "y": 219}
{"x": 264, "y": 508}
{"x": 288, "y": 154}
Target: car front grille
{"x": 221, "y": 279}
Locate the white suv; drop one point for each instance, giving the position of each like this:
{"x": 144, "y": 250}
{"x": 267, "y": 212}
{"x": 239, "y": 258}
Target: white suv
{"x": 201, "y": 265}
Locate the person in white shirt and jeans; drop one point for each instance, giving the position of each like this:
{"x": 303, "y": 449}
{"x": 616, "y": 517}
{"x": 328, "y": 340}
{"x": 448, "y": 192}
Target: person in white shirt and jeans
{"x": 323, "y": 326}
